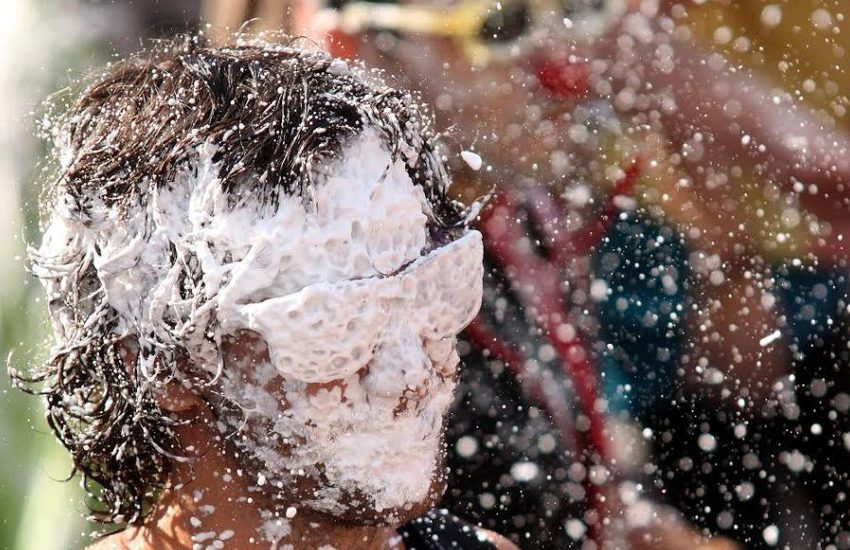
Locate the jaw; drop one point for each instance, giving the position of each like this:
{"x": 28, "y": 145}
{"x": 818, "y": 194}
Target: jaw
{"x": 315, "y": 496}
{"x": 357, "y": 508}
{"x": 371, "y": 475}
{"x": 404, "y": 487}
{"x": 341, "y": 453}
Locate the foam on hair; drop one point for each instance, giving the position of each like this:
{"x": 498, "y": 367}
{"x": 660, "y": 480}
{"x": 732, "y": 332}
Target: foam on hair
{"x": 130, "y": 300}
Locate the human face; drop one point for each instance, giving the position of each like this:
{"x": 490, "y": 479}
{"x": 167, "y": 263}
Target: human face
{"x": 340, "y": 325}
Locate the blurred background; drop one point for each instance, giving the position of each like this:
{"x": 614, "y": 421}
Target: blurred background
{"x": 682, "y": 325}
{"x": 49, "y": 45}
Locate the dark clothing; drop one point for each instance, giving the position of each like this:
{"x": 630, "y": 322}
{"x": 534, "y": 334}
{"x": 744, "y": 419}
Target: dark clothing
{"x": 783, "y": 467}
{"x": 510, "y": 468}
{"x": 440, "y": 530}
{"x": 644, "y": 266}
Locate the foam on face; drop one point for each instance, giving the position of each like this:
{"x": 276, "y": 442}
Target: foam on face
{"x": 328, "y": 331}
{"x": 367, "y": 219}
{"x": 341, "y": 288}
{"x": 343, "y": 293}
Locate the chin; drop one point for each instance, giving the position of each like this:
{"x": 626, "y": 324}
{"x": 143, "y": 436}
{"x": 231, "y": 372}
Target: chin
{"x": 360, "y": 509}
{"x": 387, "y": 493}
{"x": 381, "y": 473}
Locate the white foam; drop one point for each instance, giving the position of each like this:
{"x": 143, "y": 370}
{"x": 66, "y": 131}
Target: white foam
{"x": 341, "y": 287}
{"x": 770, "y": 338}
{"x": 473, "y": 160}
{"x": 328, "y": 331}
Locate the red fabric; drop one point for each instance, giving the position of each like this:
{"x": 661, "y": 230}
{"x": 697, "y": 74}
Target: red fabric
{"x": 538, "y": 283}
{"x": 563, "y": 79}
{"x": 341, "y": 44}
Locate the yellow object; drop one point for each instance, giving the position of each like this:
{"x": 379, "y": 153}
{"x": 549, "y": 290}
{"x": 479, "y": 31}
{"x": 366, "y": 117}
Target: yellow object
{"x": 803, "y": 45}
{"x": 485, "y": 29}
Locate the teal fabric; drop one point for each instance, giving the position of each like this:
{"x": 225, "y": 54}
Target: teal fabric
{"x": 644, "y": 266}
{"x": 811, "y": 300}
{"x": 641, "y": 318}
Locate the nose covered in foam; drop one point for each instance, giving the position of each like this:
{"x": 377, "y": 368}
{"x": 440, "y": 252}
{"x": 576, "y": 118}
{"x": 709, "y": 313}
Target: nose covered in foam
{"x": 398, "y": 364}
{"x": 329, "y": 331}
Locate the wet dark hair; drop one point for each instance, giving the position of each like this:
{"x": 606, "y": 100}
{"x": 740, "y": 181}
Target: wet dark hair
{"x": 275, "y": 114}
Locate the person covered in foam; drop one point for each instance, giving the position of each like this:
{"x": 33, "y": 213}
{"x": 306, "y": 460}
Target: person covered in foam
{"x": 256, "y": 279}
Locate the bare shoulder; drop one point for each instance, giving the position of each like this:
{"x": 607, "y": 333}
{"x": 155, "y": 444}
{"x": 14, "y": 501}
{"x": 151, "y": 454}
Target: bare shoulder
{"x": 497, "y": 540}
{"x": 131, "y": 538}
{"x": 114, "y": 541}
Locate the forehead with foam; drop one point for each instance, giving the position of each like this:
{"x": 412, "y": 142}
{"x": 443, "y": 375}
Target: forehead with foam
{"x": 365, "y": 218}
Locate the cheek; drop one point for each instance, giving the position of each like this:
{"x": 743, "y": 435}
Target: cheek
{"x": 398, "y": 365}
{"x": 444, "y": 357}
{"x": 339, "y": 391}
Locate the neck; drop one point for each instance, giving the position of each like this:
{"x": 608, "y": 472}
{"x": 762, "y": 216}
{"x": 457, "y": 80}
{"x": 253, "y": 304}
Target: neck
{"x": 220, "y": 503}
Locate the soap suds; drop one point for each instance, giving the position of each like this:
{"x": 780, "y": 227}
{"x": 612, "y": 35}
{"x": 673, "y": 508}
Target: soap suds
{"x": 342, "y": 287}
{"x": 175, "y": 267}
{"x": 473, "y": 160}
{"x": 377, "y": 321}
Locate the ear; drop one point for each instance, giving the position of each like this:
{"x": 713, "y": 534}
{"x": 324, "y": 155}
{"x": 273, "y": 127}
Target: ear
{"x": 174, "y": 396}
{"x": 177, "y": 398}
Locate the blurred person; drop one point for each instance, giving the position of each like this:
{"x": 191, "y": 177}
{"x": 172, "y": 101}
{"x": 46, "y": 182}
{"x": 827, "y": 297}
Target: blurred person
{"x": 255, "y": 279}
{"x": 763, "y": 140}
